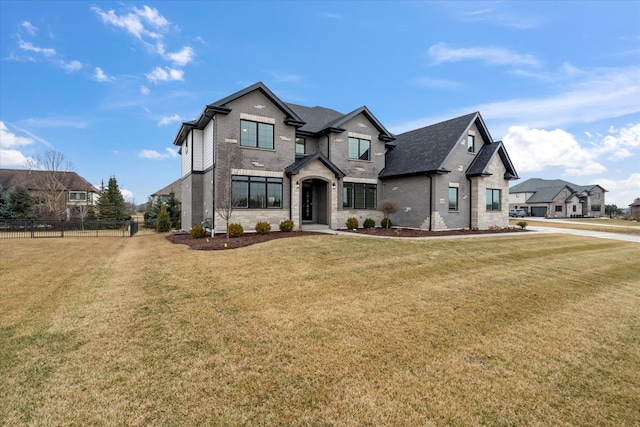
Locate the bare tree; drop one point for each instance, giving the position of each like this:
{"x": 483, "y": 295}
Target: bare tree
{"x": 388, "y": 207}
{"x": 225, "y": 200}
{"x": 56, "y": 178}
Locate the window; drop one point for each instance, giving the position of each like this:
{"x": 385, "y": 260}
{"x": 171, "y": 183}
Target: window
{"x": 493, "y": 199}
{"x": 558, "y": 208}
{"x": 256, "y": 192}
{"x": 254, "y": 134}
{"x": 359, "y": 149}
{"x": 574, "y": 208}
{"x": 471, "y": 144}
{"x": 301, "y": 146}
{"x": 453, "y": 198}
{"x": 359, "y": 196}
{"x": 595, "y": 208}
{"x": 596, "y": 196}
{"x": 77, "y": 196}
{"x": 564, "y": 193}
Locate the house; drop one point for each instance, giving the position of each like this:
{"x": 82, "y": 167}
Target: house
{"x": 164, "y": 193}
{"x": 315, "y": 165}
{"x": 634, "y": 209}
{"x": 557, "y": 198}
{"x": 55, "y": 193}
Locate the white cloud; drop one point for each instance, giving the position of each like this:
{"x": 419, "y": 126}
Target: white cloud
{"x": 29, "y": 28}
{"x": 168, "y": 120}
{"x": 164, "y": 75}
{"x": 14, "y": 158}
{"x": 72, "y": 66}
{"x": 144, "y": 90}
{"x": 100, "y": 76}
{"x": 533, "y": 150}
{"x": 29, "y": 47}
{"x": 154, "y": 155}
{"x": 9, "y": 139}
{"x": 127, "y": 195}
{"x": 182, "y": 57}
{"x": 440, "y": 53}
{"x": 621, "y": 192}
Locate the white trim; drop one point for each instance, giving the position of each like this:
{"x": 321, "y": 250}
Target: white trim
{"x": 359, "y": 135}
{"x": 454, "y": 184}
{"x": 361, "y": 180}
{"x": 249, "y": 172}
{"x": 254, "y": 118}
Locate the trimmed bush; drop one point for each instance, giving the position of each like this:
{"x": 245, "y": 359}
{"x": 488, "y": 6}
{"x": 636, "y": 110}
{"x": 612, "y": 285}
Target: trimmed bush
{"x": 263, "y": 227}
{"x": 286, "y": 225}
{"x": 352, "y": 223}
{"x": 369, "y": 223}
{"x": 522, "y": 224}
{"x": 235, "y": 230}
{"x": 197, "y": 232}
{"x": 386, "y": 223}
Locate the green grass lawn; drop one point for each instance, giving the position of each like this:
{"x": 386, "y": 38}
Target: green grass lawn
{"x": 321, "y": 330}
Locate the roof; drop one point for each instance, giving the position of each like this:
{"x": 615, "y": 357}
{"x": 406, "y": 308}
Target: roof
{"x": 424, "y": 150}
{"x": 481, "y": 161}
{"x": 316, "y": 118}
{"x": 175, "y": 187}
{"x": 545, "y": 190}
{"x": 220, "y": 107}
{"x": 34, "y": 180}
{"x": 294, "y": 168}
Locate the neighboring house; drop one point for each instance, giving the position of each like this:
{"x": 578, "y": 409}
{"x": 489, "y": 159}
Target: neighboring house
{"x": 65, "y": 192}
{"x": 163, "y": 194}
{"x": 634, "y": 209}
{"x": 557, "y": 198}
{"x": 315, "y": 165}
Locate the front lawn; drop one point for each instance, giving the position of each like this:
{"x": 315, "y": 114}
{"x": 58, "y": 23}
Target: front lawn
{"x": 320, "y": 330}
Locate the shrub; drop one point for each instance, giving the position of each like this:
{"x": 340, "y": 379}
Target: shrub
{"x": 286, "y": 225}
{"x": 352, "y": 223}
{"x": 263, "y": 227}
{"x": 163, "y": 222}
{"x": 197, "y": 232}
{"x": 522, "y": 224}
{"x": 386, "y": 223}
{"x": 235, "y": 230}
{"x": 369, "y": 223}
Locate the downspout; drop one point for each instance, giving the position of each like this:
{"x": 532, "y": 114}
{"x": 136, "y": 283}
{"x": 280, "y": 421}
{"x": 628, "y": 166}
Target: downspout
{"x": 213, "y": 184}
{"x": 470, "y": 202}
{"x": 290, "y": 197}
{"x": 430, "y": 200}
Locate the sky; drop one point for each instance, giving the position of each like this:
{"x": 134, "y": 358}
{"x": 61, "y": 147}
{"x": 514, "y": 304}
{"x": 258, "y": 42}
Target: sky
{"x": 107, "y": 84}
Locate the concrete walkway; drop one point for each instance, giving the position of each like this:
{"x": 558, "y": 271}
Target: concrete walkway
{"x": 586, "y": 233}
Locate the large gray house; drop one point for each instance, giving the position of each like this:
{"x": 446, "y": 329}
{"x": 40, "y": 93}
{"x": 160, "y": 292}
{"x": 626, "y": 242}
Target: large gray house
{"x": 315, "y": 165}
{"x": 557, "y": 198}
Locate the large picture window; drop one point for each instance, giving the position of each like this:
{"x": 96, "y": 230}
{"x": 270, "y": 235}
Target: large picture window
{"x": 255, "y": 134}
{"x": 493, "y": 199}
{"x": 359, "y": 196}
{"x": 77, "y": 196}
{"x": 256, "y": 192}
{"x": 359, "y": 149}
{"x": 453, "y": 198}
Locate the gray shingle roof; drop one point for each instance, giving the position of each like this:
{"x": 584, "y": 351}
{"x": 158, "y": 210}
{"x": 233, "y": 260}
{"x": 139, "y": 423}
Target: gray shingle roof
{"x": 35, "y": 180}
{"x": 316, "y": 118}
{"x": 175, "y": 187}
{"x": 295, "y": 167}
{"x": 481, "y": 161}
{"x": 424, "y": 150}
{"x": 545, "y": 190}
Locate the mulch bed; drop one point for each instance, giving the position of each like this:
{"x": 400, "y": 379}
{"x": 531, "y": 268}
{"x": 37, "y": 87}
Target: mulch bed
{"x": 218, "y": 242}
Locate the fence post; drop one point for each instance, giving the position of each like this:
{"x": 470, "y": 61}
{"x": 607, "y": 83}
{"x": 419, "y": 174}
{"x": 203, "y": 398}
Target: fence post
{"x": 62, "y": 228}
{"x": 32, "y": 227}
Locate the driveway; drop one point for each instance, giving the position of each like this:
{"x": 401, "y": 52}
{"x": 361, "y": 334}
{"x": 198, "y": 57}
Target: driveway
{"x": 586, "y": 233}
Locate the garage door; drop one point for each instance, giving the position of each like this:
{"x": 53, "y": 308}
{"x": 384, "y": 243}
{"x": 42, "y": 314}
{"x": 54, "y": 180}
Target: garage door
{"x": 538, "y": 211}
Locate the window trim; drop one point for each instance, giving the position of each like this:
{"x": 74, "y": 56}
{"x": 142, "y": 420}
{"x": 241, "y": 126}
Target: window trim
{"x": 256, "y": 142}
{"x": 304, "y": 145}
{"x": 471, "y": 143}
{"x": 84, "y": 193}
{"x": 359, "y": 142}
{"x": 349, "y": 200}
{"x": 456, "y": 201}
{"x": 255, "y": 182}
{"x": 490, "y": 207}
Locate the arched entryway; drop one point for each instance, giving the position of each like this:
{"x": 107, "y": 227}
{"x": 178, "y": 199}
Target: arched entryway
{"x": 314, "y": 201}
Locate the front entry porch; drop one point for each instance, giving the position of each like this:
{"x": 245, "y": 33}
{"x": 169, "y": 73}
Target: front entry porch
{"x": 314, "y": 202}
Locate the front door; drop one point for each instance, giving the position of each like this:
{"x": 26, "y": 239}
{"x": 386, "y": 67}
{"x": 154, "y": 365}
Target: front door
{"x": 307, "y": 202}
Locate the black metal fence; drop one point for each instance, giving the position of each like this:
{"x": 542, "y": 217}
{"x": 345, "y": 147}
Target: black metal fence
{"x": 31, "y": 229}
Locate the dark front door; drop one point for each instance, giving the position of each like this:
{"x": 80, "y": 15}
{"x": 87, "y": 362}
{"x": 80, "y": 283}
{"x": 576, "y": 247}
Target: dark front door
{"x": 307, "y": 202}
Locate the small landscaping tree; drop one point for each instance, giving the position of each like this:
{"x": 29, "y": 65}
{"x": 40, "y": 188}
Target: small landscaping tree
{"x": 388, "y": 207}
{"x": 163, "y": 222}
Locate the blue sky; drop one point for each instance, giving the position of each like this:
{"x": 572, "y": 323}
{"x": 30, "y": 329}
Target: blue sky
{"x": 108, "y": 83}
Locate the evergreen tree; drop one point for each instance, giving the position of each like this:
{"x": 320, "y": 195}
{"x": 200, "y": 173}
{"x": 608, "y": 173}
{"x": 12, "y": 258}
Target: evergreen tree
{"x": 21, "y": 203}
{"x": 6, "y": 211}
{"x": 173, "y": 207}
{"x": 111, "y": 204}
{"x": 163, "y": 222}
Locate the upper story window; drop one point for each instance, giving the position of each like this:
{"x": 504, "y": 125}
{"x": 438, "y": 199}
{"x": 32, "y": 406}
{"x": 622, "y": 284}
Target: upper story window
{"x": 256, "y": 134}
{"x": 493, "y": 199}
{"x": 596, "y": 196}
{"x": 471, "y": 144}
{"x": 453, "y": 198}
{"x": 359, "y": 149}
{"x": 301, "y": 145}
{"x": 77, "y": 196}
